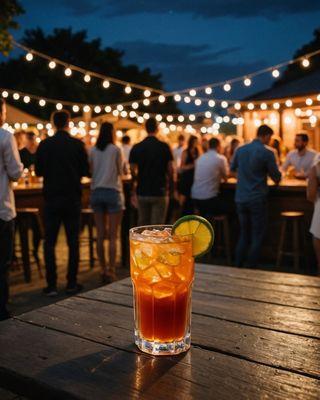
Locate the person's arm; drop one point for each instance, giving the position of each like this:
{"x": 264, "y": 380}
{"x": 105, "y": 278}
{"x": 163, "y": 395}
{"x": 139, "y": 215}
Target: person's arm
{"x": 234, "y": 165}
{"x": 273, "y": 170}
{"x": 12, "y": 162}
{"x": 121, "y": 164}
{"x": 224, "y": 169}
{"x": 312, "y": 187}
{"x": 84, "y": 161}
{"x": 287, "y": 163}
{"x": 183, "y": 165}
{"x": 134, "y": 176}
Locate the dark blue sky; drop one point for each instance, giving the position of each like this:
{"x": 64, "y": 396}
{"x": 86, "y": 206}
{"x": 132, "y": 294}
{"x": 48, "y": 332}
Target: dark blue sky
{"x": 189, "y": 42}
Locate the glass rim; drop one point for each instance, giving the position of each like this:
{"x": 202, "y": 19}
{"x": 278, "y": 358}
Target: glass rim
{"x": 149, "y": 227}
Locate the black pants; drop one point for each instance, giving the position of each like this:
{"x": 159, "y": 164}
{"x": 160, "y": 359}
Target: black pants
{"x": 6, "y": 250}
{"x": 54, "y": 216}
{"x": 210, "y": 207}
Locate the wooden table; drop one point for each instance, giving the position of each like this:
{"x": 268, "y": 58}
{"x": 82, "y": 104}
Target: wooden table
{"x": 255, "y": 334}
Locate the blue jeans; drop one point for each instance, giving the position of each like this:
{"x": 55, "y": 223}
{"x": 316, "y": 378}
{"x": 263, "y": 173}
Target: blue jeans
{"x": 253, "y": 223}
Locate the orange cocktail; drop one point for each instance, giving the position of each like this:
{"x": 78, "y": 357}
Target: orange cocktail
{"x": 162, "y": 272}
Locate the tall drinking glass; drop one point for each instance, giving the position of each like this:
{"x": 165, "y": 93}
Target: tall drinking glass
{"x": 162, "y": 273}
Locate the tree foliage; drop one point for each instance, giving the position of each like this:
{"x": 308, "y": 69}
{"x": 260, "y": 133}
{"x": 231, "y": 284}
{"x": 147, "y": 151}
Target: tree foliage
{"x": 74, "y": 47}
{"x": 9, "y": 9}
{"x": 296, "y": 71}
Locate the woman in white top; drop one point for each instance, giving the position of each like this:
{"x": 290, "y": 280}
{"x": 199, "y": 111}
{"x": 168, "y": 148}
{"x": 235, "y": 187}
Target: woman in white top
{"x": 313, "y": 195}
{"x": 106, "y": 195}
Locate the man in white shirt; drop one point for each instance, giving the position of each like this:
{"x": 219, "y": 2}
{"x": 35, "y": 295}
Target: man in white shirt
{"x": 10, "y": 170}
{"x": 177, "y": 151}
{"x": 302, "y": 158}
{"x": 210, "y": 169}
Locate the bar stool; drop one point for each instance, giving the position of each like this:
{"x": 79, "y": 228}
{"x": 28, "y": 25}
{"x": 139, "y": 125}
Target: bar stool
{"x": 87, "y": 219}
{"x": 29, "y": 219}
{"x": 222, "y": 235}
{"x": 295, "y": 219}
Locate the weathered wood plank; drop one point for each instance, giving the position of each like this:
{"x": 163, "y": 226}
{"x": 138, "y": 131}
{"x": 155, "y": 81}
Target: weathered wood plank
{"x": 113, "y": 325}
{"x": 261, "y": 276}
{"x": 270, "y": 316}
{"x": 45, "y": 363}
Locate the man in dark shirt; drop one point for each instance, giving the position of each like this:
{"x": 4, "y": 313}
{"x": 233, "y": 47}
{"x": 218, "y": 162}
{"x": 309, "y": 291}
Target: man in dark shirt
{"x": 151, "y": 163}
{"x": 62, "y": 161}
{"x": 28, "y": 153}
{"x": 254, "y": 162}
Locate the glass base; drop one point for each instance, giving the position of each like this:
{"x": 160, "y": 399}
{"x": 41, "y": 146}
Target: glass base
{"x": 163, "y": 348}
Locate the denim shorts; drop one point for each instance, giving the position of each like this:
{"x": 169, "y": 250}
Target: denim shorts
{"x": 104, "y": 200}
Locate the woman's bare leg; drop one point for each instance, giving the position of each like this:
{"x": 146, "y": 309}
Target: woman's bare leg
{"x": 100, "y": 221}
{"x": 114, "y": 221}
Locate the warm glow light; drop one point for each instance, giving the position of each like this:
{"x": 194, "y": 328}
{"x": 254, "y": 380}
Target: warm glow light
{"x": 187, "y": 99}
{"x": 257, "y": 122}
{"x": 309, "y": 102}
{"x": 197, "y": 102}
{"x": 203, "y": 129}
{"x": 207, "y": 114}
{"x": 29, "y": 56}
{"x": 313, "y": 119}
{"x": 87, "y": 78}
{"x": 75, "y": 108}
{"x": 128, "y": 89}
{"x": 97, "y": 109}
{"x": 5, "y": 93}
{"x": 247, "y": 82}
{"x": 115, "y": 113}
{"x": 263, "y": 106}
{"x": 227, "y": 87}
{"x": 93, "y": 124}
{"x": 68, "y": 72}
{"x": 177, "y": 97}
{"x": 318, "y": 97}
{"x": 59, "y": 106}
{"x": 86, "y": 109}
{"x": 208, "y": 90}
{"x": 42, "y": 102}
{"x": 24, "y": 125}
{"x": 132, "y": 114}
{"x": 305, "y": 63}
{"x": 146, "y": 116}
{"x": 192, "y": 92}
{"x": 107, "y": 109}
{"x": 26, "y": 99}
{"x": 276, "y": 106}
{"x": 106, "y": 84}
{"x": 39, "y": 126}
{"x": 159, "y": 117}
{"x": 52, "y": 65}
{"x": 288, "y": 120}
{"x": 237, "y": 106}
{"x": 192, "y": 117}
{"x": 250, "y": 106}
{"x": 169, "y": 118}
{"x": 161, "y": 98}
{"x": 224, "y": 104}
{"x": 309, "y": 113}
{"x": 226, "y": 119}
{"x": 119, "y": 107}
{"x": 288, "y": 103}
{"x": 140, "y": 120}
{"x": 123, "y": 114}
{"x": 275, "y": 73}
{"x": 48, "y": 125}
{"x": 17, "y": 125}
{"x": 211, "y": 103}
{"x": 181, "y": 118}
{"x": 16, "y": 96}
{"x": 298, "y": 112}
{"x": 146, "y": 102}
{"x": 219, "y": 120}
{"x": 135, "y": 105}
{"x": 147, "y": 93}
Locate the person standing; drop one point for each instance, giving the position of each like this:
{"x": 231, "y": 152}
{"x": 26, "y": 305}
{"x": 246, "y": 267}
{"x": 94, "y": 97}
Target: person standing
{"x": 313, "y": 195}
{"x": 10, "y": 170}
{"x": 28, "y": 152}
{"x": 177, "y": 151}
{"x": 189, "y": 156}
{"x": 151, "y": 164}
{"x": 107, "y": 198}
{"x": 62, "y": 161}
{"x": 302, "y": 158}
{"x": 210, "y": 169}
{"x": 253, "y": 162}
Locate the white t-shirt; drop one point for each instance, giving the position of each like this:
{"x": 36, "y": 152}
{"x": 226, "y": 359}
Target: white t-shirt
{"x": 210, "y": 169}
{"x": 302, "y": 163}
{"x": 126, "y": 148}
{"x": 177, "y": 154}
{"x": 106, "y": 167}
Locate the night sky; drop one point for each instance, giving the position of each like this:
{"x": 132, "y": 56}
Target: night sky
{"x": 189, "y": 42}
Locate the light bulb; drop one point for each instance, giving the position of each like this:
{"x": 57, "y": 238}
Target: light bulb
{"x": 86, "y": 108}
{"x": 26, "y": 99}
{"x": 16, "y": 96}
{"x": 250, "y": 106}
{"x": 211, "y": 103}
{"x": 135, "y": 105}
{"x": 5, "y": 94}
{"x": 227, "y": 87}
{"x": 147, "y": 93}
{"x": 42, "y": 102}
{"x": 237, "y": 106}
{"x": 305, "y": 63}
{"x": 146, "y": 116}
{"x": 208, "y": 90}
{"x": 107, "y": 109}
{"x": 106, "y": 84}
{"x": 87, "y": 78}
{"x": 275, "y": 73}
{"x": 224, "y": 104}
{"x": 128, "y": 89}
{"x": 52, "y": 64}
{"x": 197, "y": 102}
{"x": 263, "y": 106}
{"x": 59, "y": 106}
{"x": 276, "y": 106}
{"x": 119, "y": 107}
{"x": 309, "y": 102}
{"x": 97, "y": 109}
{"x": 146, "y": 102}
{"x": 207, "y": 114}
{"x": 247, "y": 82}
{"x": 161, "y": 98}
{"x": 159, "y": 117}
{"x": 181, "y": 118}
{"x": 288, "y": 103}
{"x": 169, "y": 118}
{"x": 75, "y": 108}
{"x": 192, "y": 117}
{"x": 187, "y": 99}
{"x": 192, "y": 92}
{"x": 68, "y": 72}
{"x": 177, "y": 97}
{"x": 29, "y": 56}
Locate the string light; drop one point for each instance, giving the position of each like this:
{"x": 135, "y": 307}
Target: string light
{"x": 52, "y": 65}
{"x": 226, "y": 119}
{"x": 29, "y": 56}
{"x": 180, "y": 118}
{"x": 68, "y": 72}
{"x": 132, "y": 114}
{"x": 208, "y": 90}
{"x": 237, "y": 106}
{"x": 247, "y": 82}
{"x": 211, "y": 103}
{"x": 140, "y": 120}
{"x": 227, "y": 87}
{"x": 309, "y": 102}
{"x": 146, "y": 116}
{"x": 224, "y": 104}
{"x": 42, "y": 102}
{"x": 26, "y": 99}
{"x": 39, "y": 126}
{"x": 250, "y": 106}
{"x": 16, "y": 96}
{"x": 97, "y": 109}
{"x": 123, "y": 114}
{"x": 263, "y": 106}
{"x": 192, "y": 92}
{"x": 219, "y": 120}
{"x": 147, "y": 93}
{"x": 276, "y": 106}
{"x": 187, "y": 99}
{"x": 177, "y": 97}
{"x": 288, "y": 103}
{"x": 86, "y": 108}
{"x": 298, "y": 112}
{"x": 275, "y": 73}
{"x": 313, "y": 119}
{"x": 309, "y": 112}
{"x": 119, "y": 107}
{"x": 197, "y": 102}
{"x": 128, "y": 89}
{"x": 161, "y": 99}
{"x": 5, "y": 94}
{"x": 159, "y": 117}
{"x": 318, "y": 97}
{"x": 169, "y": 118}
{"x": 135, "y": 105}
{"x": 75, "y": 108}
{"x": 146, "y": 102}
{"x": 305, "y": 63}
{"x": 115, "y": 113}
{"x": 207, "y": 114}
{"x": 192, "y": 117}
{"x": 107, "y": 109}
{"x": 106, "y": 84}
{"x": 59, "y": 106}
{"x": 87, "y": 78}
